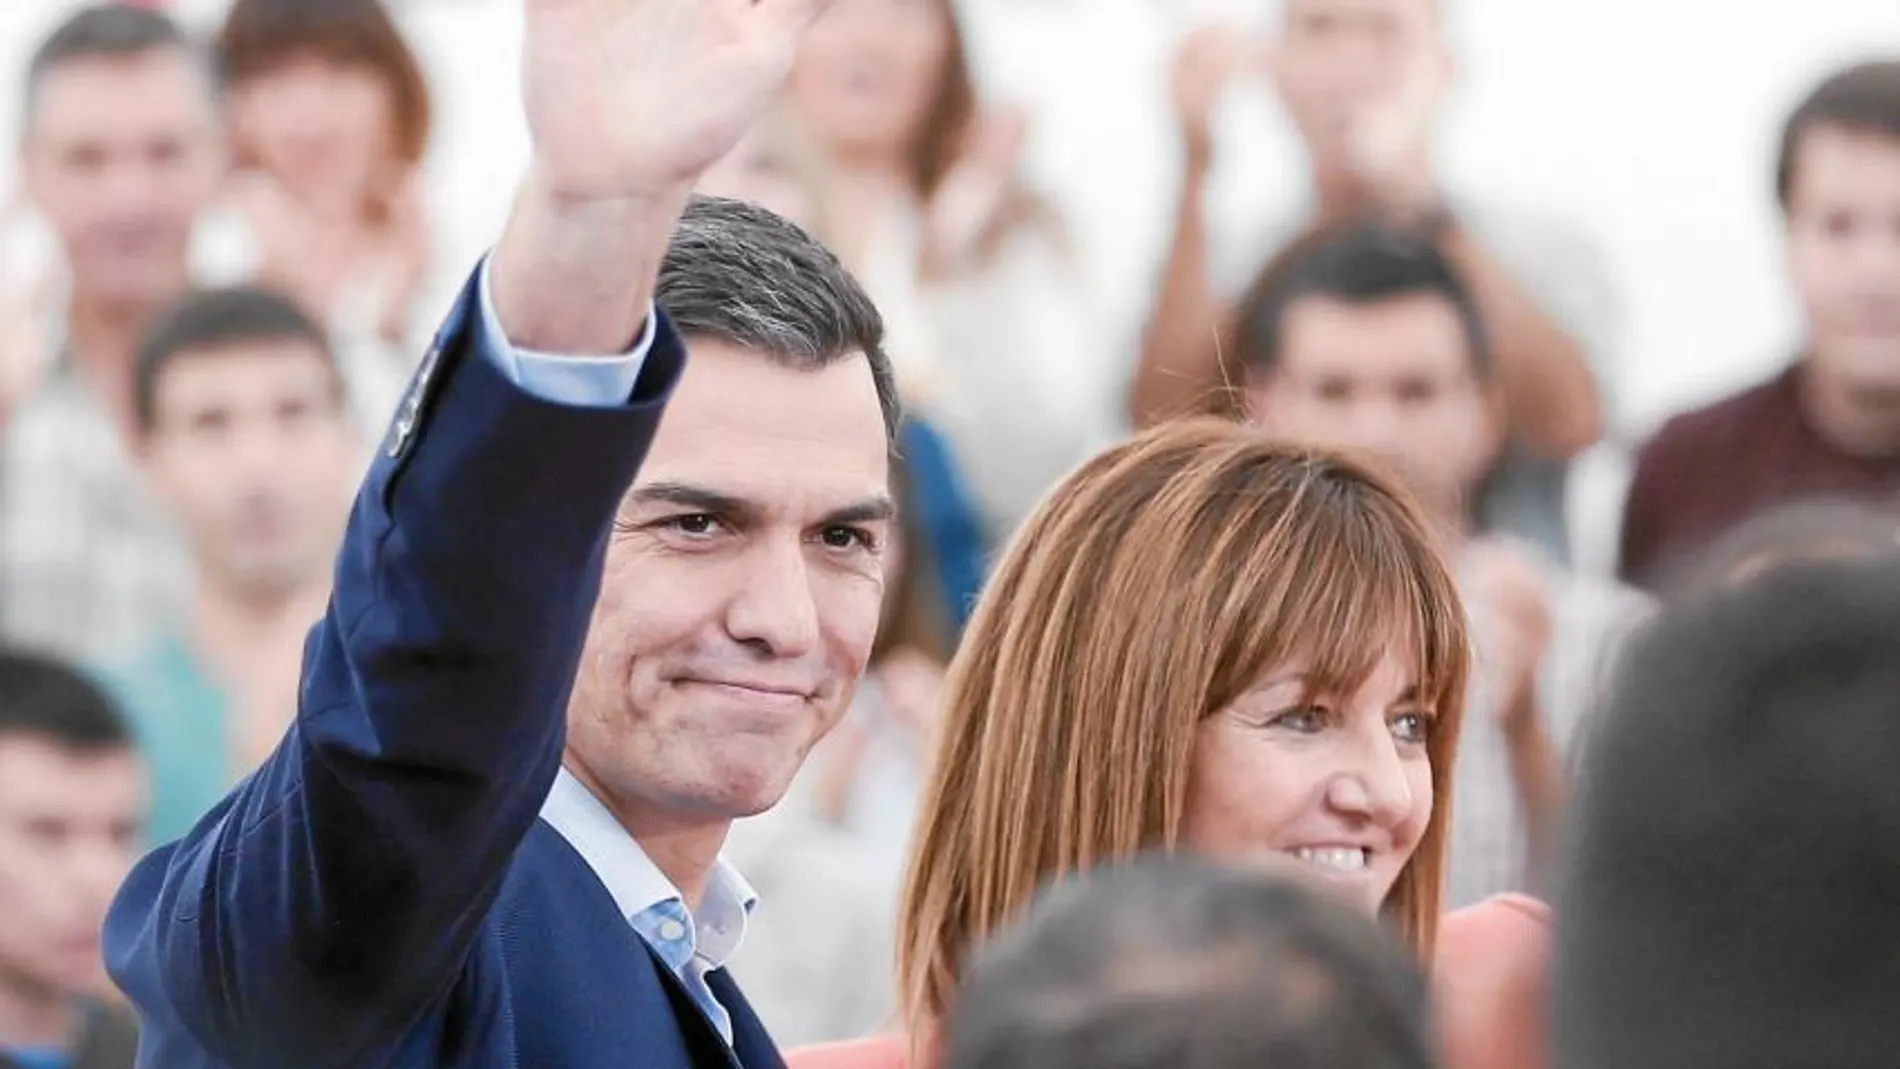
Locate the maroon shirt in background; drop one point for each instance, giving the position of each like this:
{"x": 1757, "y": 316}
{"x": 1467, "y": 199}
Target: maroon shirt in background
{"x": 1708, "y": 470}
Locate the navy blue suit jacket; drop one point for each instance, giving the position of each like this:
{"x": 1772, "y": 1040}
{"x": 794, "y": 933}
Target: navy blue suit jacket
{"x": 382, "y": 893}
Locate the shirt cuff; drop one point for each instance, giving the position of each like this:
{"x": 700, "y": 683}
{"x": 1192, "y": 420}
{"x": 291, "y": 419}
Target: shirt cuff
{"x": 582, "y": 380}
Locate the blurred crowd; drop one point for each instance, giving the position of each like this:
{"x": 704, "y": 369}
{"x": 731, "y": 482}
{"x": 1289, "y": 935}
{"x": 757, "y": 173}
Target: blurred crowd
{"x": 240, "y": 275}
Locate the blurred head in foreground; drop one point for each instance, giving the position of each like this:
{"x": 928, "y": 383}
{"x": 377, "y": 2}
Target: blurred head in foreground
{"x": 1729, "y": 899}
{"x": 1168, "y": 962}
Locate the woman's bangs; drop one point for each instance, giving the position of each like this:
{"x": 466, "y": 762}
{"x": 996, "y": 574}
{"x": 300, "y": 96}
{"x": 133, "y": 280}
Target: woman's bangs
{"x": 1358, "y": 592}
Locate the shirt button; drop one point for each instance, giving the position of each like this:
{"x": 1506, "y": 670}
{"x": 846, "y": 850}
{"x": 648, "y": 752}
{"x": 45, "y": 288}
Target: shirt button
{"x": 671, "y": 930}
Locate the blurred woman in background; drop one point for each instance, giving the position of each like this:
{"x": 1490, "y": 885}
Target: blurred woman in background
{"x": 776, "y": 167}
{"x": 329, "y": 114}
{"x": 955, "y": 250}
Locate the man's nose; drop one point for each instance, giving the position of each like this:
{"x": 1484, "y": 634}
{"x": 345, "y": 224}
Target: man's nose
{"x": 774, "y": 609}
{"x": 1376, "y": 426}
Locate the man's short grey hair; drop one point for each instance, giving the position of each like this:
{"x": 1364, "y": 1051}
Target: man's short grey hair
{"x": 1167, "y": 962}
{"x": 105, "y": 31}
{"x": 738, "y": 273}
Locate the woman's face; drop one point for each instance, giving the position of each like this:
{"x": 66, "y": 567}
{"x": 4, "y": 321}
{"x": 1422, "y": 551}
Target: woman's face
{"x": 324, "y": 129}
{"x": 867, "y": 73}
{"x": 754, "y": 171}
{"x": 1340, "y": 782}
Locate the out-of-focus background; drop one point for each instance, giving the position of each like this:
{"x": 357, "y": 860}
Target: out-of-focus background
{"x": 1529, "y": 254}
{"x": 1650, "y": 124}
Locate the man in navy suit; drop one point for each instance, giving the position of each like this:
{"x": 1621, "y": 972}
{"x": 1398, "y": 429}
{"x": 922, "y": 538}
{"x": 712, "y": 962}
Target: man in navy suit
{"x": 545, "y": 687}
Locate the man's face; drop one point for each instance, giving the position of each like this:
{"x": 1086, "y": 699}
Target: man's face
{"x": 1394, "y": 379}
{"x": 1844, "y": 255}
{"x": 121, "y": 156}
{"x": 1339, "y": 58}
{"x": 253, "y": 453}
{"x": 70, "y": 826}
{"x": 742, "y": 589}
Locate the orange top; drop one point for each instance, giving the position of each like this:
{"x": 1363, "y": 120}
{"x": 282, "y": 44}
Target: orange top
{"x": 877, "y": 1052}
{"x": 1489, "y": 980}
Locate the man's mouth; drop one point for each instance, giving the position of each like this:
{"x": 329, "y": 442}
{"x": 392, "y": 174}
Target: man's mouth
{"x": 762, "y": 694}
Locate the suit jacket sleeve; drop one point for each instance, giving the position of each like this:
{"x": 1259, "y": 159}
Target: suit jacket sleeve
{"x": 335, "y": 894}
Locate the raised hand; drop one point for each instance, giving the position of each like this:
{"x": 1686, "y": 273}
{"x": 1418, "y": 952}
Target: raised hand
{"x": 1390, "y": 136}
{"x": 628, "y": 103}
{"x": 26, "y": 300}
{"x": 973, "y": 196}
{"x": 1511, "y": 604}
{"x": 630, "y": 98}
{"x": 1207, "y": 62}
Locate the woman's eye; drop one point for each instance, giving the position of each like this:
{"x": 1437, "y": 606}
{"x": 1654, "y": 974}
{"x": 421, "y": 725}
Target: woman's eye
{"x": 1306, "y": 720}
{"x": 1413, "y": 727}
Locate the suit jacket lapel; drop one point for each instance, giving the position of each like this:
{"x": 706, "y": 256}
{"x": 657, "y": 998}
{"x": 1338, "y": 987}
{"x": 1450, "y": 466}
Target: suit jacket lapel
{"x": 700, "y": 1031}
{"x": 750, "y": 1040}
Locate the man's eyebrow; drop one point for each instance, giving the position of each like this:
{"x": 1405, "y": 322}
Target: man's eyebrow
{"x": 877, "y": 509}
{"x": 685, "y": 495}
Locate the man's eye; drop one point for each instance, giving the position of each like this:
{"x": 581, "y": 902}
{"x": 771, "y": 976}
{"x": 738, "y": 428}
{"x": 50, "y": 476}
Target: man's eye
{"x": 697, "y": 524}
{"x": 848, "y": 538}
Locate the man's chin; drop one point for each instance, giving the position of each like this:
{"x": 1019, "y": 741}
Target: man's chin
{"x": 748, "y": 791}
{"x": 265, "y": 573}
{"x": 1437, "y": 494}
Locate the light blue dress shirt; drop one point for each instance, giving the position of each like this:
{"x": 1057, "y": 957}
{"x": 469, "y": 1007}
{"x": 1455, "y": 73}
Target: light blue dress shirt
{"x": 584, "y": 381}
{"x": 691, "y": 945}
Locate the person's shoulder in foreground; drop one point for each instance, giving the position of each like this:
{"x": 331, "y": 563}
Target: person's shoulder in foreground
{"x": 1727, "y": 899}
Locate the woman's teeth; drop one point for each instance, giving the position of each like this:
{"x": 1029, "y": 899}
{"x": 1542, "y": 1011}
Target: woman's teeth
{"x": 1334, "y": 858}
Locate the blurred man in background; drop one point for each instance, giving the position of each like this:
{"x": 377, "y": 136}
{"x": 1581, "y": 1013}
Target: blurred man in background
{"x": 243, "y": 431}
{"x": 1365, "y": 337}
{"x": 1828, "y": 425}
{"x": 73, "y": 798}
{"x": 1363, "y": 82}
{"x": 121, "y": 154}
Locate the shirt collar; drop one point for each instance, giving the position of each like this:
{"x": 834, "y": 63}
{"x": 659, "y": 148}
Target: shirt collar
{"x": 639, "y": 888}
